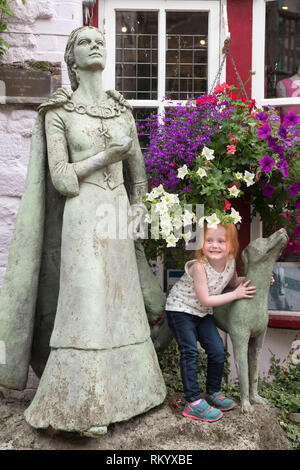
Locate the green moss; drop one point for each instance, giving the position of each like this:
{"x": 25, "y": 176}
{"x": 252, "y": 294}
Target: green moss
{"x": 40, "y": 65}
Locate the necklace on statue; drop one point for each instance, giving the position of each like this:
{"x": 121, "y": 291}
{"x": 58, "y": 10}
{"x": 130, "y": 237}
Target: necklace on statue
{"x": 103, "y": 111}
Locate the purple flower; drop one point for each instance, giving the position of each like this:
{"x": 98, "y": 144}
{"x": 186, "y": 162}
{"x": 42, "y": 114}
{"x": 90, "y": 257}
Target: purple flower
{"x": 262, "y": 116}
{"x": 264, "y": 131}
{"x": 283, "y": 132}
{"x": 284, "y": 168}
{"x": 278, "y": 149}
{"x": 298, "y": 205}
{"x": 271, "y": 141}
{"x": 294, "y": 189}
{"x": 266, "y": 163}
{"x": 297, "y": 231}
{"x": 291, "y": 119}
{"x": 268, "y": 190}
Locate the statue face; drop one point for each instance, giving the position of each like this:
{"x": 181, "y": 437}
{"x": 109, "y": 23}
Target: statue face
{"x": 89, "y": 50}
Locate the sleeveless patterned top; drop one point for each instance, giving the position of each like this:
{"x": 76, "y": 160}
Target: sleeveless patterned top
{"x": 182, "y": 296}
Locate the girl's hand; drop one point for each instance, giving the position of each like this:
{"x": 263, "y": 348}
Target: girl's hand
{"x": 244, "y": 291}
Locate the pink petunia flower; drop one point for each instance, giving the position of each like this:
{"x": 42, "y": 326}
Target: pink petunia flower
{"x": 231, "y": 149}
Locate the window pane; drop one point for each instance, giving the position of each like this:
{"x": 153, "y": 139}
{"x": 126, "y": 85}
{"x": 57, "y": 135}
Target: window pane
{"x": 282, "y": 53}
{"x": 186, "y": 46}
{"x": 136, "y": 54}
{"x": 141, "y": 115}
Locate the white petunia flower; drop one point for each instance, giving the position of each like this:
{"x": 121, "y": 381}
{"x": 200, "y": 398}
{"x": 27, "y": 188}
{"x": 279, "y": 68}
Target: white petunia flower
{"x": 171, "y": 240}
{"x": 148, "y": 219}
{"x": 208, "y": 153}
{"x": 235, "y": 214}
{"x": 239, "y": 175}
{"x": 166, "y": 229}
{"x": 187, "y": 218}
{"x": 234, "y": 191}
{"x": 177, "y": 222}
{"x": 174, "y": 198}
{"x": 150, "y": 196}
{"x": 201, "y": 172}
{"x": 166, "y": 198}
{"x": 212, "y": 221}
{"x": 158, "y": 191}
{"x": 248, "y": 178}
{"x": 201, "y": 221}
{"x": 182, "y": 172}
{"x": 187, "y": 236}
{"x": 161, "y": 207}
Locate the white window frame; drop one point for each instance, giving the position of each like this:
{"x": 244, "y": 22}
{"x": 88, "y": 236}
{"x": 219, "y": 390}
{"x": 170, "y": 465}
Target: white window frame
{"x": 215, "y": 34}
{"x": 258, "y": 59}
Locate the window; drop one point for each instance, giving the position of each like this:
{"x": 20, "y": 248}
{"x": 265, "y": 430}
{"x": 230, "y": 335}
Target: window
{"x": 276, "y": 28}
{"x": 161, "y": 49}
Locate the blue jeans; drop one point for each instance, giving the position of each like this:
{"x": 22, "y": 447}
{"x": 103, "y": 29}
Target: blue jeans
{"x": 187, "y": 330}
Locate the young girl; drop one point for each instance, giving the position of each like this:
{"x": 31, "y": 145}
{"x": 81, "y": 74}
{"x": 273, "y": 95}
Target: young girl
{"x": 189, "y": 313}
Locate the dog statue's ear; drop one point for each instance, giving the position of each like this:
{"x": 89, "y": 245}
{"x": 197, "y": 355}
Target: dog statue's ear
{"x": 244, "y": 257}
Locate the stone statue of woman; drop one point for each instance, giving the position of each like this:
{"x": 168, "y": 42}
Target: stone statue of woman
{"x": 102, "y": 367}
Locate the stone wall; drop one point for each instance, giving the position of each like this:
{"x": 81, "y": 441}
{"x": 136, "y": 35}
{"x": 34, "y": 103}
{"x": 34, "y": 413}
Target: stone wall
{"x": 38, "y": 31}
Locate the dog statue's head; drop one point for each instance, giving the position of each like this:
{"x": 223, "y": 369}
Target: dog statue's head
{"x": 265, "y": 250}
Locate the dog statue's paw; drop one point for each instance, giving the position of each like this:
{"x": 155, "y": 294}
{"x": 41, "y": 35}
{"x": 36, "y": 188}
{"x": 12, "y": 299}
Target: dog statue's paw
{"x": 257, "y": 399}
{"x": 247, "y": 407}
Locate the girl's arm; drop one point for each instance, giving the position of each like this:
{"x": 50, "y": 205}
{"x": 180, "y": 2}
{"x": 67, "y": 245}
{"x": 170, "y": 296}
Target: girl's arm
{"x": 236, "y": 280}
{"x": 243, "y": 291}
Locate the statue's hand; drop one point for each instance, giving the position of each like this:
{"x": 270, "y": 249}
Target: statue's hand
{"x": 117, "y": 151}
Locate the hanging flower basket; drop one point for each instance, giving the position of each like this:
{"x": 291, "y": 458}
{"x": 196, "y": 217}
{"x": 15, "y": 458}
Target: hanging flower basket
{"x": 217, "y": 149}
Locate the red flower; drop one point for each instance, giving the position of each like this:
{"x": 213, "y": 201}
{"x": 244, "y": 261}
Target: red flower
{"x": 238, "y": 184}
{"x": 231, "y": 149}
{"x": 232, "y": 138}
{"x": 205, "y": 99}
{"x": 220, "y": 88}
{"x": 227, "y": 205}
{"x": 174, "y": 404}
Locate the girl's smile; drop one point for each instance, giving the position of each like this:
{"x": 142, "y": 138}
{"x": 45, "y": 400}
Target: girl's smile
{"x": 215, "y": 246}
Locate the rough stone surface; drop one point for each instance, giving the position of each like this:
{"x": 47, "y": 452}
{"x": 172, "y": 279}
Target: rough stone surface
{"x": 294, "y": 418}
{"x": 162, "y": 428}
{"x": 37, "y": 31}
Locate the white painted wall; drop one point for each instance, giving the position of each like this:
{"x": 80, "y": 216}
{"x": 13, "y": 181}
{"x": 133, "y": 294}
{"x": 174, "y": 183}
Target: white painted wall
{"x": 38, "y": 31}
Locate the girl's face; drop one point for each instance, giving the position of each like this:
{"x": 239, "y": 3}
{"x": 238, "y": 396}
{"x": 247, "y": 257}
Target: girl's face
{"x": 215, "y": 246}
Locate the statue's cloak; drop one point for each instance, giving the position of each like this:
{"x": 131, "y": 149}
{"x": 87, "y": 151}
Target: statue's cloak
{"x": 30, "y": 289}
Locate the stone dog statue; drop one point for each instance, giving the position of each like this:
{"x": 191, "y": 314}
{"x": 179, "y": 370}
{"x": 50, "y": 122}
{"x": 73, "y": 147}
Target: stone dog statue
{"x": 246, "y": 321}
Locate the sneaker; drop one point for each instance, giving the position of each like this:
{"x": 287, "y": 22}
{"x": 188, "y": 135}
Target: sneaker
{"x": 220, "y": 401}
{"x": 202, "y": 411}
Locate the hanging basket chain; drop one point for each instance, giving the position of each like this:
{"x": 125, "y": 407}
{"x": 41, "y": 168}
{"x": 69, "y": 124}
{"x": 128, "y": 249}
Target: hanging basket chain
{"x": 227, "y": 51}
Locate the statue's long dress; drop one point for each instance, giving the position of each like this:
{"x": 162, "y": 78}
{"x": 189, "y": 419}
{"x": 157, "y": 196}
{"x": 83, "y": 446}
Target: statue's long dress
{"x": 102, "y": 366}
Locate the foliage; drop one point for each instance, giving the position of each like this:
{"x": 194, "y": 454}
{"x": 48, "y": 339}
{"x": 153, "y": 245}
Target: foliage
{"x": 283, "y": 392}
{"x": 214, "y": 151}
{"x": 5, "y": 11}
